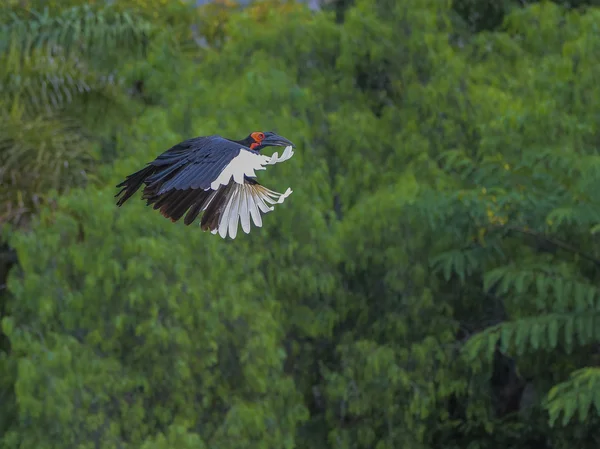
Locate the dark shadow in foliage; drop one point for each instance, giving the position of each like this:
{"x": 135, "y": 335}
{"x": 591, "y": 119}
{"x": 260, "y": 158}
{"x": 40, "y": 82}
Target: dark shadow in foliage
{"x": 8, "y": 259}
{"x": 507, "y": 385}
{"x": 483, "y": 15}
{"x": 488, "y": 15}
{"x": 339, "y": 7}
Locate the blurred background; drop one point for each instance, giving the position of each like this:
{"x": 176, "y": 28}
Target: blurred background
{"x": 432, "y": 282}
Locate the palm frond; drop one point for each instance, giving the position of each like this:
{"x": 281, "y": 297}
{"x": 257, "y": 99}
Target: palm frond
{"x": 59, "y": 71}
{"x": 82, "y": 31}
{"x": 37, "y": 156}
{"x": 46, "y": 61}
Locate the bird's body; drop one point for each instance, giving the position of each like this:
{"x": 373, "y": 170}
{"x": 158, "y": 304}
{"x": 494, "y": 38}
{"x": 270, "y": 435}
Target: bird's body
{"x": 213, "y": 175}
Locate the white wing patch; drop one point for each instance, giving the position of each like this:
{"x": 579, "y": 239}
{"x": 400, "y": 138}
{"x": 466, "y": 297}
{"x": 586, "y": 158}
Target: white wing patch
{"x": 246, "y": 163}
{"x": 247, "y": 201}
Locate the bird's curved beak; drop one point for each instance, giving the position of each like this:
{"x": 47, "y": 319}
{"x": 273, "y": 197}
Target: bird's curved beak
{"x": 276, "y": 141}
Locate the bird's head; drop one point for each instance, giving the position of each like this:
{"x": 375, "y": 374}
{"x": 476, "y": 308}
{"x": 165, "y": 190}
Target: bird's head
{"x": 259, "y": 140}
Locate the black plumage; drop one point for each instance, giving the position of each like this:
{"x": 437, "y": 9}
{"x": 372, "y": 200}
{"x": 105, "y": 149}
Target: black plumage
{"x": 209, "y": 174}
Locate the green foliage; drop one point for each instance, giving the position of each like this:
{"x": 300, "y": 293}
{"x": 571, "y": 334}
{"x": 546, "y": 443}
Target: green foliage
{"x": 528, "y": 201}
{"x": 431, "y": 282}
{"x": 38, "y": 155}
{"x": 120, "y": 357}
{"x": 487, "y": 15}
{"x": 577, "y": 395}
{"x": 61, "y": 75}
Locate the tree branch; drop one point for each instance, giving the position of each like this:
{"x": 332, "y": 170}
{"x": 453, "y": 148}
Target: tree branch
{"x": 556, "y": 243}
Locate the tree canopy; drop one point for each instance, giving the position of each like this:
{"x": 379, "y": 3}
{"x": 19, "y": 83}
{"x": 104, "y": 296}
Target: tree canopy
{"x": 431, "y": 282}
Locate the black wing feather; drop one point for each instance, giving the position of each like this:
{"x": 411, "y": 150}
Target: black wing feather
{"x": 212, "y": 170}
{"x": 178, "y": 180}
{"x": 210, "y": 218}
{"x": 133, "y": 182}
{"x": 202, "y": 166}
{"x": 192, "y": 164}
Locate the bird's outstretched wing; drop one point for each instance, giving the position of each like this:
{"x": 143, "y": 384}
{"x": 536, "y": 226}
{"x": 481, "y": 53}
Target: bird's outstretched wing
{"x": 210, "y": 174}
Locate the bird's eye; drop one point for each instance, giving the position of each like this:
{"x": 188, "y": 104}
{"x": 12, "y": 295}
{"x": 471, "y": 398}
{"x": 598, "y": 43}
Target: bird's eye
{"x": 261, "y": 136}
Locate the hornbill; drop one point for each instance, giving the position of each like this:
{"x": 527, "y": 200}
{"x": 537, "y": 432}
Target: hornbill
{"x": 196, "y": 176}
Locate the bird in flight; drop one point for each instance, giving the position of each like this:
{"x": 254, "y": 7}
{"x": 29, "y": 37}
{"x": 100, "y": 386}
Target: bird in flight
{"x": 213, "y": 175}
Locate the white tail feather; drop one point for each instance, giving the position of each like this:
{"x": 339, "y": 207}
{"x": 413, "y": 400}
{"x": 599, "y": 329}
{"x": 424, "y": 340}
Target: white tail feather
{"x": 245, "y": 201}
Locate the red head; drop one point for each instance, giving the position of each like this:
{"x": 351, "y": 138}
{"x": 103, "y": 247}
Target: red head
{"x": 259, "y": 140}
{"x": 258, "y": 137}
